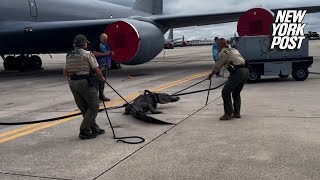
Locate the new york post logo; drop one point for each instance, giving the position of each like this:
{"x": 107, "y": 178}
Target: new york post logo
{"x": 288, "y": 30}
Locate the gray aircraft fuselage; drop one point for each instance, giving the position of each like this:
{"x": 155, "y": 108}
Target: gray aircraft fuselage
{"x": 14, "y": 13}
{"x": 63, "y": 10}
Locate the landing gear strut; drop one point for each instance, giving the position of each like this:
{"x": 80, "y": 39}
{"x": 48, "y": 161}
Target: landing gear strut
{"x": 22, "y": 63}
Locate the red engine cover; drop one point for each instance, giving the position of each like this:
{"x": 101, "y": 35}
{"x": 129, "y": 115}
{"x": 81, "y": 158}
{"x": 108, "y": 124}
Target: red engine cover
{"x": 123, "y": 39}
{"x": 256, "y": 21}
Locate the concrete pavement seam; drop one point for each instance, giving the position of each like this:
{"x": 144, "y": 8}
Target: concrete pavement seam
{"x": 156, "y": 138}
{"x": 15, "y": 174}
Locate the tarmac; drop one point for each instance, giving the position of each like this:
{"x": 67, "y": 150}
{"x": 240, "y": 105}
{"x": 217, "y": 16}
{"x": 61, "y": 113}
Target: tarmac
{"x": 276, "y": 138}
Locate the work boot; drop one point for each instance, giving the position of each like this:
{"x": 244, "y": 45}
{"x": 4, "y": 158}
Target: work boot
{"x": 237, "y": 115}
{"x": 225, "y": 117}
{"x": 87, "y": 135}
{"x": 103, "y": 98}
{"x": 98, "y": 131}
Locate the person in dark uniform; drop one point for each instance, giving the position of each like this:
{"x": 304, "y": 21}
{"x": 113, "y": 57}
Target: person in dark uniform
{"x": 79, "y": 68}
{"x": 239, "y": 73}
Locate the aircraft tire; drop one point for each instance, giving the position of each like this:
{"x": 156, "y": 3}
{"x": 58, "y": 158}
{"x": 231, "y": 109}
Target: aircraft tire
{"x": 35, "y": 62}
{"x": 22, "y": 63}
{"x": 9, "y": 63}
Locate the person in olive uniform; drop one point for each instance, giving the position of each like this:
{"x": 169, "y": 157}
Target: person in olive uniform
{"x": 79, "y": 67}
{"x": 239, "y": 73}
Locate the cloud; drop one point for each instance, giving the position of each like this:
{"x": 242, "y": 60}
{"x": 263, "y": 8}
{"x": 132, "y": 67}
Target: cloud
{"x": 219, "y": 6}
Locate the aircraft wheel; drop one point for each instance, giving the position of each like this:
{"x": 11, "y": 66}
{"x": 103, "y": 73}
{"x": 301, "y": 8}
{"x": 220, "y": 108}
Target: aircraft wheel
{"x": 9, "y": 63}
{"x": 22, "y": 63}
{"x": 35, "y": 62}
{"x": 254, "y": 77}
{"x": 300, "y": 74}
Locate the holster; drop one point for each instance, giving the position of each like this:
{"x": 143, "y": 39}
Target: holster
{"x": 93, "y": 80}
{"x": 231, "y": 69}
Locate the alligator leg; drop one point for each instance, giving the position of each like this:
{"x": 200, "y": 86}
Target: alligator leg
{"x": 152, "y": 110}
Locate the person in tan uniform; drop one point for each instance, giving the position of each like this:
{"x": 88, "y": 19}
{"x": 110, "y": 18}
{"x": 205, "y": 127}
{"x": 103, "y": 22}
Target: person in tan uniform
{"x": 79, "y": 68}
{"x": 239, "y": 73}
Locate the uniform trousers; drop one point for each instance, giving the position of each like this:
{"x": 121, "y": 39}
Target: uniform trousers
{"x": 86, "y": 98}
{"x": 234, "y": 85}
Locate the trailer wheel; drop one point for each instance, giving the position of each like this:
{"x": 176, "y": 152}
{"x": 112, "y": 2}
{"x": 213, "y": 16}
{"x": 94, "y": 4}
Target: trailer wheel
{"x": 300, "y": 74}
{"x": 254, "y": 77}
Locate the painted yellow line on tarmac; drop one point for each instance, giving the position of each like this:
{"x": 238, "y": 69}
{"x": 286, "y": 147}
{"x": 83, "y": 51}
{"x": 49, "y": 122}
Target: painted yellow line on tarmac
{"x": 174, "y": 83}
{"x": 179, "y": 82}
{"x": 37, "y": 127}
{"x": 19, "y": 130}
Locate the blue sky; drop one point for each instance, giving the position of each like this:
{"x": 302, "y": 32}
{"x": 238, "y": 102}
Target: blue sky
{"x": 218, "y": 6}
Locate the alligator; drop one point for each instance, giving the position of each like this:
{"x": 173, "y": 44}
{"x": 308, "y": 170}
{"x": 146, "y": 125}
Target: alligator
{"x": 148, "y": 102}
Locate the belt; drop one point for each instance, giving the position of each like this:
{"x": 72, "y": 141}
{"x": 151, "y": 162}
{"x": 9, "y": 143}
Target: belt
{"x": 233, "y": 69}
{"x": 79, "y": 77}
{"x": 239, "y": 66}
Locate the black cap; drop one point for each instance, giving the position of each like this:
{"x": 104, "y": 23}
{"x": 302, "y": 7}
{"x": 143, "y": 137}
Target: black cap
{"x": 80, "y": 40}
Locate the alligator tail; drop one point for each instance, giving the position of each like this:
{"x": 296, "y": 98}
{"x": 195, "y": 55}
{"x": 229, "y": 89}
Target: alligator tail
{"x": 143, "y": 117}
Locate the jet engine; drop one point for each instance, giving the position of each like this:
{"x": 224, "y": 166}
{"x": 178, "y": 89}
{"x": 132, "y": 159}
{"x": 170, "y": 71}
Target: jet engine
{"x": 134, "y": 42}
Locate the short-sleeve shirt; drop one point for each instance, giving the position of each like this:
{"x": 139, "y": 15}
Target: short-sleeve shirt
{"x": 80, "y": 61}
{"x": 215, "y": 51}
{"x": 102, "y": 48}
{"x": 229, "y": 56}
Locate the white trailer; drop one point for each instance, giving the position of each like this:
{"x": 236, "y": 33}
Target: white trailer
{"x": 265, "y": 62}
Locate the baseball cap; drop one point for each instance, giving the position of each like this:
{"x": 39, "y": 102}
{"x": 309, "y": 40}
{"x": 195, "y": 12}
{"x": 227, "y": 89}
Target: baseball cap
{"x": 80, "y": 39}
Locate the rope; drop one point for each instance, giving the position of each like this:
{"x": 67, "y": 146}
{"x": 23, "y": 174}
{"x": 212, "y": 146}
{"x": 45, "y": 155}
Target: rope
{"x": 199, "y": 91}
{"x": 121, "y": 139}
{"x": 39, "y": 121}
{"x": 208, "y": 92}
{"x": 53, "y": 119}
{"x": 189, "y": 87}
{"x": 110, "y": 108}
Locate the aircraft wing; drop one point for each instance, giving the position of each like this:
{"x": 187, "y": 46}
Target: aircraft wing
{"x": 178, "y": 21}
